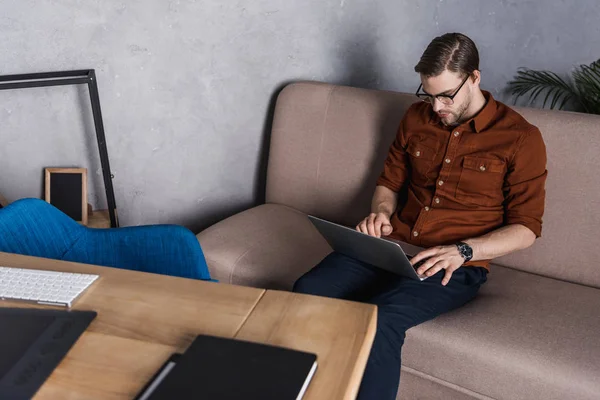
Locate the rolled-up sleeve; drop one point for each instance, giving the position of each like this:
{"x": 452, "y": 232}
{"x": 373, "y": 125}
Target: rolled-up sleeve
{"x": 525, "y": 181}
{"x": 395, "y": 170}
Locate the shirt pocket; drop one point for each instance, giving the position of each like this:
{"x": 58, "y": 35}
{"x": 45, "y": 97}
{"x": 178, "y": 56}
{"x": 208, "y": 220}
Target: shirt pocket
{"x": 481, "y": 180}
{"x": 422, "y": 154}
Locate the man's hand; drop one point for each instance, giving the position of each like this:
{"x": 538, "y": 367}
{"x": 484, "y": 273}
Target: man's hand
{"x": 376, "y": 224}
{"x": 438, "y": 258}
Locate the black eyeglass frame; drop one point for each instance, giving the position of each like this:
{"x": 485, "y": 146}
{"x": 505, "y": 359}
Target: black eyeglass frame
{"x": 429, "y": 97}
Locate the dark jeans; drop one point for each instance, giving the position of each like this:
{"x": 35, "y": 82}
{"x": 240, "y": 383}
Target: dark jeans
{"x": 402, "y": 303}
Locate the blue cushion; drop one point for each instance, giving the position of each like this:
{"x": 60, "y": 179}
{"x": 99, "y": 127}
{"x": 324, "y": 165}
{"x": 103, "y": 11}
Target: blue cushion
{"x": 36, "y": 228}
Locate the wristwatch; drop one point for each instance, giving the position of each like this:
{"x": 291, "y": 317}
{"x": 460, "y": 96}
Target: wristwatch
{"x": 465, "y": 251}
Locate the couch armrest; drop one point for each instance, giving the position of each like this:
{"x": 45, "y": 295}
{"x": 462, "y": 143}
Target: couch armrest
{"x": 269, "y": 246}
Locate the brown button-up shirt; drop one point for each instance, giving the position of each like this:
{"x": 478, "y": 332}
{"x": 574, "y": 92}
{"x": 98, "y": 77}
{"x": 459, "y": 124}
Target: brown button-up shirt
{"x": 460, "y": 182}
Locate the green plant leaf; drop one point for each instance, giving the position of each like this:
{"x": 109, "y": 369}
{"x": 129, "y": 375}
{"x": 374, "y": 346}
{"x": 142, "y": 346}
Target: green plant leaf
{"x": 534, "y": 83}
{"x": 583, "y": 90}
{"x": 587, "y": 81}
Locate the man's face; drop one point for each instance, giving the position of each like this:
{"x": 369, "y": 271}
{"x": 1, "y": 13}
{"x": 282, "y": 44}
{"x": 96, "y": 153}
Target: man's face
{"x": 447, "y": 83}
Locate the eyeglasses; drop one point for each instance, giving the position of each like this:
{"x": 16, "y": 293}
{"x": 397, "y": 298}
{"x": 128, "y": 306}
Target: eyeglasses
{"x": 446, "y": 99}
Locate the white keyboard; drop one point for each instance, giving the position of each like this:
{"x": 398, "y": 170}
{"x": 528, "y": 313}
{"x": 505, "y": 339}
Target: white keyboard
{"x": 43, "y": 287}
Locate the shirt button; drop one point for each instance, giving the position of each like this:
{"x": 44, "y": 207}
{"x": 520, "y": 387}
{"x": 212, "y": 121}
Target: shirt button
{"x": 447, "y": 161}
{"x": 437, "y": 200}
{"x": 482, "y": 168}
{"x": 418, "y": 153}
{"x": 456, "y": 134}
{"x": 426, "y": 208}
{"x": 415, "y": 233}
{"x": 440, "y": 183}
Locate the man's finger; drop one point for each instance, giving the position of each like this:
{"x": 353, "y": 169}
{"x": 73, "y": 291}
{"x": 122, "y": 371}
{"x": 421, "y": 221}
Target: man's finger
{"x": 367, "y": 221}
{"x": 370, "y": 227}
{"x": 436, "y": 268}
{"x": 447, "y": 276}
{"x": 423, "y": 255}
{"x": 380, "y": 223}
{"x": 386, "y": 229}
{"x": 378, "y": 228}
{"x": 362, "y": 227}
{"x": 428, "y": 264}
{"x": 358, "y": 226}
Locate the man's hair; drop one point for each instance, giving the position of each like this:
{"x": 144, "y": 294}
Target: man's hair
{"x": 452, "y": 51}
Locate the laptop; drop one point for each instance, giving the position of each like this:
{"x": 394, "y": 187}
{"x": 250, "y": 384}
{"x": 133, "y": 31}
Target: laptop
{"x": 379, "y": 252}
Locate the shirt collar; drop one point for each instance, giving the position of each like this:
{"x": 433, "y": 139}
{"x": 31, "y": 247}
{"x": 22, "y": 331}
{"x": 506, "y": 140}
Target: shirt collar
{"x": 480, "y": 120}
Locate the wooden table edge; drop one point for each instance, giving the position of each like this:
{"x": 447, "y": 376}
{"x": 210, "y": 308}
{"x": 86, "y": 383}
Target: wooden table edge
{"x": 363, "y": 356}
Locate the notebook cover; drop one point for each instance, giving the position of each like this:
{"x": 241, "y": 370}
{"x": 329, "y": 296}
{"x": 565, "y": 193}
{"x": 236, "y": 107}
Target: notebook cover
{"x": 228, "y": 369}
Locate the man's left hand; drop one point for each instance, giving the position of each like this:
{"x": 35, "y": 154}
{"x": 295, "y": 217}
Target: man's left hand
{"x": 438, "y": 258}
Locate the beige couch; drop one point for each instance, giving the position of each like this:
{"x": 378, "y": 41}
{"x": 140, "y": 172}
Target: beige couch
{"x": 534, "y": 330}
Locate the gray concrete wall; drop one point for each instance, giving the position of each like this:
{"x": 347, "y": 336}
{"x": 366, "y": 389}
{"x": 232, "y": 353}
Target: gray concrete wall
{"x": 186, "y": 86}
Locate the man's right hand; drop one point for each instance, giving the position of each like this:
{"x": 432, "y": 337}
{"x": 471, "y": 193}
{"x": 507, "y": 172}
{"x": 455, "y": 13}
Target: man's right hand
{"x": 376, "y": 224}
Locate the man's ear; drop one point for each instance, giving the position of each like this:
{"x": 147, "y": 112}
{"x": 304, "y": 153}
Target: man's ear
{"x": 476, "y": 77}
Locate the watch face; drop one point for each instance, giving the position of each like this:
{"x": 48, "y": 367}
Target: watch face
{"x": 469, "y": 252}
{"x": 466, "y": 251}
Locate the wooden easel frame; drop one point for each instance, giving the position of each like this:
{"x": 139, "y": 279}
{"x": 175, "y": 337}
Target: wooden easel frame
{"x": 83, "y": 172}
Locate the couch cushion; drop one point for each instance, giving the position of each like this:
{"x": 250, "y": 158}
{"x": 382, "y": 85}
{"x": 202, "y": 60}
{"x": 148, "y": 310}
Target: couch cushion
{"x": 328, "y": 145}
{"x": 567, "y": 249}
{"x": 269, "y": 246}
{"x": 523, "y": 337}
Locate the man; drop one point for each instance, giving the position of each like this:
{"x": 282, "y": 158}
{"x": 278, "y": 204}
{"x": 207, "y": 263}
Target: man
{"x": 464, "y": 179}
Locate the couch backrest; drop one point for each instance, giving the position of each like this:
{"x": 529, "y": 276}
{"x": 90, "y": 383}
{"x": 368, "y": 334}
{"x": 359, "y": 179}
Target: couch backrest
{"x": 329, "y": 142}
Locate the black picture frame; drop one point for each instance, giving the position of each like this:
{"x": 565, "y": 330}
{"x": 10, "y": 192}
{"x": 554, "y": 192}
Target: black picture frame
{"x": 66, "y": 189}
{"x": 76, "y": 77}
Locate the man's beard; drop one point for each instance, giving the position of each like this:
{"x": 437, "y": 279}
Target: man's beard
{"x": 459, "y": 115}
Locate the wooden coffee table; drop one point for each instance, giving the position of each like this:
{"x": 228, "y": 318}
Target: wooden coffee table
{"x": 144, "y": 318}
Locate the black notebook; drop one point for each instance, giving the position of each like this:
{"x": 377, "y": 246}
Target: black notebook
{"x": 228, "y": 369}
{"x": 32, "y": 343}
